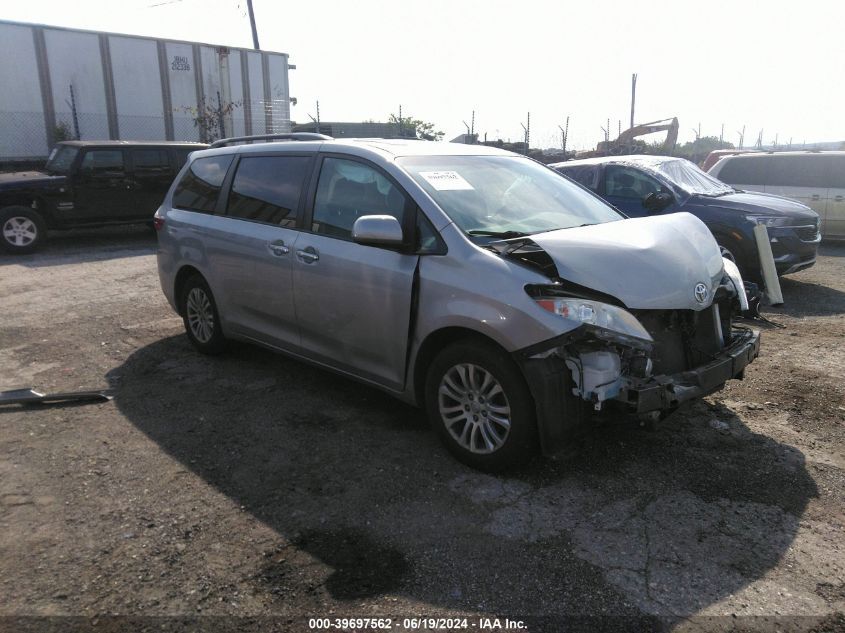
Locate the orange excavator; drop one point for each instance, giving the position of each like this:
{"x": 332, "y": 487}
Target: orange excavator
{"x": 626, "y": 144}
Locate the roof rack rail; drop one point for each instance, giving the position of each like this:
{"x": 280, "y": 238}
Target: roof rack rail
{"x": 296, "y": 136}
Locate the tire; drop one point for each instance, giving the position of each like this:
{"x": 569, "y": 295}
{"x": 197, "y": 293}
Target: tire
{"x": 731, "y": 250}
{"x": 22, "y": 230}
{"x": 200, "y": 316}
{"x": 471, "y": 388}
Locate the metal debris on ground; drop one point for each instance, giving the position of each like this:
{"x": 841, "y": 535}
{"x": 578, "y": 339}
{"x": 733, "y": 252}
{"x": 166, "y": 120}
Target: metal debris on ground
{"x": 30, "y": 396}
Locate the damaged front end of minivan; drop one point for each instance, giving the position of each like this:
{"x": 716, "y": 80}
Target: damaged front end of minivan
{"x": 642, "y": 360}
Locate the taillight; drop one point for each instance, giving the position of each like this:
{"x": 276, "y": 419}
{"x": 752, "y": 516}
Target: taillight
{"x": 158, "y": 220}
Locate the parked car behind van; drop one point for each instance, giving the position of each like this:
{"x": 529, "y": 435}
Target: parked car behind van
{"x": 480, "y": 284}
{"x": 656, "y": 185}
{"x": 87, "y": 183}
{"x": 717, "y": 154}
{"x": 816, "y": 179}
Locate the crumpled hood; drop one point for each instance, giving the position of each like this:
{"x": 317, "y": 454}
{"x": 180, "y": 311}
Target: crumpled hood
{"x": 647, "y": 263}
{"x": 16, "y": 179}
{"x": 764, "y": 204}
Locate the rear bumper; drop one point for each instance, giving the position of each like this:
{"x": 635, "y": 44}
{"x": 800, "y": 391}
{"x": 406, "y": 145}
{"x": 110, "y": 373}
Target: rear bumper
{"x": 666, "y": 392}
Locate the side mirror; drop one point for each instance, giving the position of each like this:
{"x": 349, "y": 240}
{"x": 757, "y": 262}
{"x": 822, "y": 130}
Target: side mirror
{"x": 377, "y": 230}
{"x": 657, "y": 202}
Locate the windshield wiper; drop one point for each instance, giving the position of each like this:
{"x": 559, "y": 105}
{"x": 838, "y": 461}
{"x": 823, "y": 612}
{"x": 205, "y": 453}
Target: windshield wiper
{"x": 505, "y": 235}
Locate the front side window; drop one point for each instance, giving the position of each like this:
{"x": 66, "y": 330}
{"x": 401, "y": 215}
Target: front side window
{"x": 348, "y": 190}
{"x": 504, "y": 196}
{"x": 626, "y": 182}
{"x": 102, "y": 162}
{"x": 268, "y": 188}
{"x": 200, "y": 185}
{"x": 61, "y": 159}
{"x": 743, "y": 170}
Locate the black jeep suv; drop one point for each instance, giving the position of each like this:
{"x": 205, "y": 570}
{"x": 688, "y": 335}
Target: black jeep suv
{"x": 87, "y": 183}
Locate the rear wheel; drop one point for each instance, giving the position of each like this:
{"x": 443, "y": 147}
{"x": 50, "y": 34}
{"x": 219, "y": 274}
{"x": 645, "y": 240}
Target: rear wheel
{"x": 478, "y": 402}
{"x": 22, "y": 229}
{"x": 200, "y": 317}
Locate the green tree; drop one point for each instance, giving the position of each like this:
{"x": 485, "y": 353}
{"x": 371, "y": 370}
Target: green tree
{"x": 62, "y": 132}
{"x": 415, "y": 127}
{"x": 210, "y": 119}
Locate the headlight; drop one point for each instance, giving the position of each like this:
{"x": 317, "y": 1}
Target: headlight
{"x": 603, "y": 317}
{"x": 768, "y": 221}
{"x": 732, "y": 271}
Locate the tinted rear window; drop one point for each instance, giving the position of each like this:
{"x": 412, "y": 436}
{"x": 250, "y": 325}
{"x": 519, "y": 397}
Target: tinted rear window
{"x": 744, "y": 170}
{"x": 836, "y": 167}
{"x": 797, "y": 171}
{"x": 268, "y": 188}
{"x": 102, "y": 161}
{"x": 182, "y": 156}
{"x": 150, "y": 159}
{"x": 200, "y": 185}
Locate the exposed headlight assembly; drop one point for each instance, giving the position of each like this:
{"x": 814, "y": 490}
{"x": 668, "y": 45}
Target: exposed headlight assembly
{"x": 607, "y": 321}
{"x": 732, "y": 272}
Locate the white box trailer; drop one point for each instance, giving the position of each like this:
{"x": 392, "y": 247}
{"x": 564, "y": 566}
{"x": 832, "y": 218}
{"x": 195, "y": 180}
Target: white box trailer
{"x": 110, "y": 86}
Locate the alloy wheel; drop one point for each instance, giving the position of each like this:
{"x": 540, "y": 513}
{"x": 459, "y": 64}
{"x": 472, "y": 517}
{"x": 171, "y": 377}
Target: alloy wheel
{"x": 200, "y": 315}
{"x": 20, "y": 231}
{"x": 474, "y": 408}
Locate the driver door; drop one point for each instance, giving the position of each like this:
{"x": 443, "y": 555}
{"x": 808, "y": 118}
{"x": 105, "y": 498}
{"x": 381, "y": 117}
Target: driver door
{"x": 102, "y": 186}
{"x": 625, "y": 188}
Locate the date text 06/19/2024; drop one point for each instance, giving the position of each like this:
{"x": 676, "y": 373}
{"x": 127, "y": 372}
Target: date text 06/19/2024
{"x": 416, "y": 624}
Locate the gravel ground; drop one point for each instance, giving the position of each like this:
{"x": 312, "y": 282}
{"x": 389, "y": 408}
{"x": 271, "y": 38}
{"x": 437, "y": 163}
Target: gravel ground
{"x": 261, "y": 489}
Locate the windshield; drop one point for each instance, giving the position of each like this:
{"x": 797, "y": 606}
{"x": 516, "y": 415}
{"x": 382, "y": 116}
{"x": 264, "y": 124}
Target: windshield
{"x": 505, "y": 196}
{"x": 691, "y": 179}
{"x": 61, "y": 158}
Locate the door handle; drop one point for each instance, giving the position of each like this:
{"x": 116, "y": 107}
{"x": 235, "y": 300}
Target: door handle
{"x": 838, "y": 198}
{"x": 278, "y": 248}
{"x": 815, "y": 196}
{"x": 309, "y": 255}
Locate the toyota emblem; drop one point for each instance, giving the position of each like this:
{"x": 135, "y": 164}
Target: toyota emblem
{"x": 700, "y": 293}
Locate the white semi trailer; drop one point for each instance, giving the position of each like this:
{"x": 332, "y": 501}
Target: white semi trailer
{"x": 98, "y": 85}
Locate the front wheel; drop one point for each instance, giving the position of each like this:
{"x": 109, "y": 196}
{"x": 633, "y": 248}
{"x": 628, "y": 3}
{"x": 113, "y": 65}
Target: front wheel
{"x": 731, "y": 250}
{"x": 22, "y": 230}
{"x": 480, "y": 405}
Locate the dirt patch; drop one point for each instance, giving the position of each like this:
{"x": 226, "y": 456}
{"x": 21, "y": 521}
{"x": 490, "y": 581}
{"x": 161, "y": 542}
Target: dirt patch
{"x": 251, "y": 486}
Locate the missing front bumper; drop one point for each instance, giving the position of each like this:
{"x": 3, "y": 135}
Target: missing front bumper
{"x": 667, "y": 392}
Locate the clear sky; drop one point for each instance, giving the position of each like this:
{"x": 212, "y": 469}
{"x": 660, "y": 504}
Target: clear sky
{"x": 772, "y": 65}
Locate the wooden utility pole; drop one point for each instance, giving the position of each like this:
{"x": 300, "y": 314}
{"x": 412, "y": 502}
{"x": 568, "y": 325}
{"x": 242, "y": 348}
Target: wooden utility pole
{"x": 252, "y": 24}
{"x": 633, "y": 96}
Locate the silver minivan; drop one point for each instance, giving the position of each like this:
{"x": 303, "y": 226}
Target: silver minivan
{"x": 503, "y": 297}
{"x": 816, "y": 179}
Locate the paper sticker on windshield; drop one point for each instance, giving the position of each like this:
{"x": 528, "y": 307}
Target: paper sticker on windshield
{"x": 446, "y": 180}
